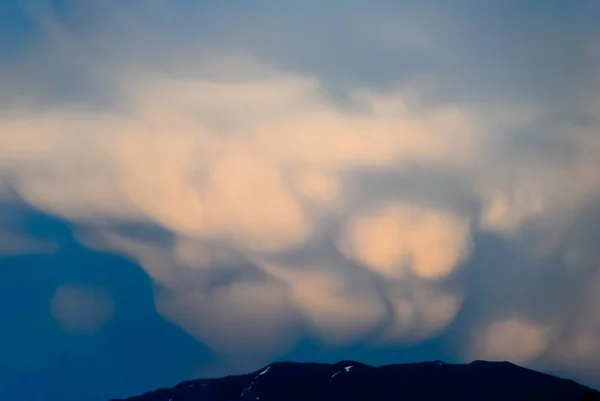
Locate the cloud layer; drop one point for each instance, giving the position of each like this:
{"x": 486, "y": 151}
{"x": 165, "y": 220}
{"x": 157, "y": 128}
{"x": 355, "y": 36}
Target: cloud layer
{"x": 341, "y": 199}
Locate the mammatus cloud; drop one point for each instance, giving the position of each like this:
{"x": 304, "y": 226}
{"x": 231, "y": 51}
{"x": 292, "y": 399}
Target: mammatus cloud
{"x": 261, "y": 185}
{"x": 399, "y": 239}
{"x": 260, "y": 173}
{"x": 332, "y": 303}
{"x": 250, "y": 184}
{"x": 514, "y": 339}
{"x": 560, "y": 341}
{"x": 420, "y": 312}
{"x": 81, "y": 309}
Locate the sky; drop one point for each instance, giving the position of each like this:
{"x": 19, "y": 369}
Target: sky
{"x": 195, "y": 188}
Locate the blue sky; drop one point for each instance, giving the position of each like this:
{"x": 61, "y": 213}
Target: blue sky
{"x": 198, "y": 188}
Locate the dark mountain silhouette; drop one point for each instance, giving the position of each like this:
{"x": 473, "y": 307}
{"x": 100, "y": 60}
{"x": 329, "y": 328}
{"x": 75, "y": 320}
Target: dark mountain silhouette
{"x": 353, "y": 381}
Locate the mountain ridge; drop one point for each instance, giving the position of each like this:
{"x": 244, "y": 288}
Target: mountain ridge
{"x": 354, "y": 381}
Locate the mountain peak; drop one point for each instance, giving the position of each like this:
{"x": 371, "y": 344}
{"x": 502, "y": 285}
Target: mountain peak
{"x": 354, "y": 381}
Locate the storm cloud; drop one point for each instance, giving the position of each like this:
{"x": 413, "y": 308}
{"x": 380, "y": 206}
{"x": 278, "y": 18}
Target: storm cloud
{"x": 331, "y": 171}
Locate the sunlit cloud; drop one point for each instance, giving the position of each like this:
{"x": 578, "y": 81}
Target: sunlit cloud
{"x": 403, "y": 239}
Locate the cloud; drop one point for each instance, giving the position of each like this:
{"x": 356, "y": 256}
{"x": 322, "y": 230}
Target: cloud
{"x": 257, "y": 307}
{"x": 171, "y": 162}
{"x": 563, "y": 339}
{"x": 543, "y": 192}
{"x": 399, "y": 239}
{"x": 340, "y": 194}
{"x": 80, "y": 309}
{"x": 421, "y": 311}
{"x": 15, "y": 239}
{"x": 513, "y": 339}
{"x": 338, "y": 309}
{"x": 14, "y": 244}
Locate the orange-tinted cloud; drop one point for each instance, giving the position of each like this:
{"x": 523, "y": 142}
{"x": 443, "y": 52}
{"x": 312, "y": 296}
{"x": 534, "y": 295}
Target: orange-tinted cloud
{"x": 396, "y": 240}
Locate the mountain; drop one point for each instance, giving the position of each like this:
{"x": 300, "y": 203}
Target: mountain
{"x": 353, "y": 381}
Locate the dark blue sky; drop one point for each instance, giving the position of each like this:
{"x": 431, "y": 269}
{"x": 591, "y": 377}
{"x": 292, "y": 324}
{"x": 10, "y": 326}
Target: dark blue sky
{"x": 195, "y": 188}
